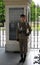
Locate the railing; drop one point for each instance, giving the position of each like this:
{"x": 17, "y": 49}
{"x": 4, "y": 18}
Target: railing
{"x": 2, "y": 36}
{"x": 34, "y": 38}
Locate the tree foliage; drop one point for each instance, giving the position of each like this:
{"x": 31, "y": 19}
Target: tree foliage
{"x": 35, "y": 11}
{"x": 32, "y": 7}
{"x": 38, "y": 10}
{"x": 2, "y": 11}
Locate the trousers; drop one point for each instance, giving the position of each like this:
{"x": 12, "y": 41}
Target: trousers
{"x": 23, "y": 43}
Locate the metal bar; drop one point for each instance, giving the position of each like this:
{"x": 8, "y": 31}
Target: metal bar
{"x": 34, "y": 27}
{"x": 31, "y": 23}
{"x": 37, "y": 26}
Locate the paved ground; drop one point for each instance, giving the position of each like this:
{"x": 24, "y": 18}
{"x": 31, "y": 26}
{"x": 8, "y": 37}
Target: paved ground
{"x": 13, "y": 58}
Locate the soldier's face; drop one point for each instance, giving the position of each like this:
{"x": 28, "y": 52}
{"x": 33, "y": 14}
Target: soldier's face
{"x": 23, "y": 19}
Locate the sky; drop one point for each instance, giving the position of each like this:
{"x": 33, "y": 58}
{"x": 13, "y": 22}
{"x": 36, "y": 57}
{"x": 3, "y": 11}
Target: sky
{"x": 37, "y": 2}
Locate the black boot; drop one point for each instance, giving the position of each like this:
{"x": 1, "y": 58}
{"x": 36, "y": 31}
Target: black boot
{"x": 21, "y": 58}
{"x": 24, "y": 58}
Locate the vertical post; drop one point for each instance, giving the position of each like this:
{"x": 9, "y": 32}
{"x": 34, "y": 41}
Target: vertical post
{"x": 37, "y": 25}
{"x": 4, "y": 37}
{"x": 1, "y": 36}
{"x": 31, "y": 23}
{"x": 34, "y": 26}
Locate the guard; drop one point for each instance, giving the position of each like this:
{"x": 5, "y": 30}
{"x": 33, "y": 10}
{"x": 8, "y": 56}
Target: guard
{"x": 23, "y": 31}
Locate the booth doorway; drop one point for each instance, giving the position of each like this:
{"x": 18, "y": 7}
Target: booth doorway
{"x": 14, "y": 16}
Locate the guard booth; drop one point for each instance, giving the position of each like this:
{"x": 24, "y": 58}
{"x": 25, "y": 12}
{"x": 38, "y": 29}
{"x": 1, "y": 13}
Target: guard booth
{"x": 14, "y": 8}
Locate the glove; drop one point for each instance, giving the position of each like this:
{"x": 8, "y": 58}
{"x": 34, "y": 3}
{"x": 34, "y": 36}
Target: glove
{"x": 27, "y": 34}
{"x": 17, "y": 39}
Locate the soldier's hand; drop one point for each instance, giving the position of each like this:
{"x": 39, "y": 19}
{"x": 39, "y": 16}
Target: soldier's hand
{"x": 17, "y": 39}
{"x": 27, "y": 34}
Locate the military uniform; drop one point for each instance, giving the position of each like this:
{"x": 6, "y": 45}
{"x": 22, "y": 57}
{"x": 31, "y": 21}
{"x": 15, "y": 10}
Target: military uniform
{"x": 23, "y": 31}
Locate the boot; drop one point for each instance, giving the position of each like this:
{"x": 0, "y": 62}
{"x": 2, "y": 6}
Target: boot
{"x": 21, "y": 60}
{"x": 24, "y": 58}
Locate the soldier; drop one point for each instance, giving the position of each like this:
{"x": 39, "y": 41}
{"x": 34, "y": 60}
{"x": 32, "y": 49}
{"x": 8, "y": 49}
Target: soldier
{"x": 23, "y": 31}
